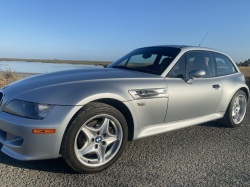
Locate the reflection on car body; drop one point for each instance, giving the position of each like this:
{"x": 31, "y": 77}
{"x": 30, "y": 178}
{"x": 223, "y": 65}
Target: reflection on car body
{"x": 88, "y": 115}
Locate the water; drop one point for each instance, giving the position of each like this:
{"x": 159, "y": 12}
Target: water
{"x": 39, "y": 67}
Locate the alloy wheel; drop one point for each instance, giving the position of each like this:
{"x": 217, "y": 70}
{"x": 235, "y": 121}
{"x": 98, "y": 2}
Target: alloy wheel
{"x": 239, "y": 109}
{"x": 98, "y": 140}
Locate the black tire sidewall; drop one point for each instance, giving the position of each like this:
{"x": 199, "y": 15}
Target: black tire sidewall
{"x": 71, "y": 135}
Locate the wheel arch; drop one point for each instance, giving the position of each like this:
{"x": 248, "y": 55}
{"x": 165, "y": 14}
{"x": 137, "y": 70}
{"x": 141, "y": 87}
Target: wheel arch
{"x": 119, "y": 105}
{"x": 246, "y": 91}
{"x": 227, "y": 118}
{"x": 125, "y": 112}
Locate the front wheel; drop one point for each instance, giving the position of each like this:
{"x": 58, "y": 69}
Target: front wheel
{"x": 236, "y": 110}
{"x": 95, "y": 138}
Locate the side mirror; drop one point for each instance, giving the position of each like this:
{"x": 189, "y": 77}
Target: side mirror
{"x": 196, "y": 73}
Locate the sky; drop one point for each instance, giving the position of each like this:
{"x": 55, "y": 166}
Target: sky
{"x": 105, "y": 30}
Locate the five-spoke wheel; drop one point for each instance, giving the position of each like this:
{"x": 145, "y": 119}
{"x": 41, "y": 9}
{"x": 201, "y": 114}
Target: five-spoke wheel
{"x": 95, "y": 138}
{"x": 98, "y": 140}
{"x": 239, "y": 108}
{"x": 236, "y": 110}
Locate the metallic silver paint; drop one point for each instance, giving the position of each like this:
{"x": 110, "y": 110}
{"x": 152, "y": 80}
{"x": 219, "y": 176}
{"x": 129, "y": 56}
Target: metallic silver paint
{"x": 166, "y": 127}
{"x": 183, "y": 105}
{"x": 36, "y": 146}
{"x": 141, "y": 114}
{"x": 231, "y": 84}
{"x": 196, "y": 73}
{"x": 192, "y": 100}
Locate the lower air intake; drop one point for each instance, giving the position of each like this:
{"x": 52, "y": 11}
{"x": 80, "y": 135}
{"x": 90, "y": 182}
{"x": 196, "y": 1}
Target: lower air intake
{"x": 1, "y": 97}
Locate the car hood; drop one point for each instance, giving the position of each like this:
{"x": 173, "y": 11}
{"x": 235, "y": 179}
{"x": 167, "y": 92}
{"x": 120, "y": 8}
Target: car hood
{"x": 68, "y": 76}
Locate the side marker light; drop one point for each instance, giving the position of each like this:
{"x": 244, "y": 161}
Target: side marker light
{"x": 43, "y": 131}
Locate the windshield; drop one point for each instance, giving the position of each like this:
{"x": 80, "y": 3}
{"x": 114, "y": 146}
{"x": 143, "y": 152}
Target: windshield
{"x": 152, "y": 60}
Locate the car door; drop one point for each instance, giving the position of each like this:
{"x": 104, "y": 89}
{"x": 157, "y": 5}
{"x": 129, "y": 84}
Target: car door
{"x": 199, "y": 98}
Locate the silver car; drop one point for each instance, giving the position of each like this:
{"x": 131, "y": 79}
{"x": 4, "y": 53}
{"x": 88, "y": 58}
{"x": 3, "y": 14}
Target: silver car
{"x": 88, "y": 115}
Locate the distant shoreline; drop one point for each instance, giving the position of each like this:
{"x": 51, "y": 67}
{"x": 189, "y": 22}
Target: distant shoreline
{"x": 21, "y": 74}
{"x": 86, "y": 62}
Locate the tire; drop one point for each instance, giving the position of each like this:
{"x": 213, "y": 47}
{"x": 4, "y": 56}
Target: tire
{"x": 230, "y": 118}
{"x": 95, "y": 138}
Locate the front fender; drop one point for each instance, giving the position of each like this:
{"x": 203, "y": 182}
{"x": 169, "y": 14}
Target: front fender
{"x": 79, "y": 93}
{"x": 76, "y": 93}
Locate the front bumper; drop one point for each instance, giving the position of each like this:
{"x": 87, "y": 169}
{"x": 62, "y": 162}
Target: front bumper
{"x": 20, "y": 143}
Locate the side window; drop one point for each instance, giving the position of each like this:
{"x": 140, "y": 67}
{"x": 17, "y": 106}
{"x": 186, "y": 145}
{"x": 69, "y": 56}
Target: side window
{"x": 179, "y": 69}
{"x": 201, "y": 60}
{"x": 224, "y": 65}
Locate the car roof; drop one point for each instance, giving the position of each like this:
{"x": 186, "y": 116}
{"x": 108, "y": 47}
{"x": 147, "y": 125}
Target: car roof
{"x": 188, "y": 47}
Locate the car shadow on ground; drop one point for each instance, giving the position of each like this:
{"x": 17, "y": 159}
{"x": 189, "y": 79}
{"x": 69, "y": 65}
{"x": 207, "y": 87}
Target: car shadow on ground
{"x": 51, "y": 165}
{"x": 59, "y": 165}
{"x": 214, "y": 123}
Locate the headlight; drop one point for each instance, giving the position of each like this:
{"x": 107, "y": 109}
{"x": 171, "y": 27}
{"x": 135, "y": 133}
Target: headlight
{"x": 28, "y": 109}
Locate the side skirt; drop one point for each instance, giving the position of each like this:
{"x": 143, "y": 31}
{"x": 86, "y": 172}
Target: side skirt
{"x": 166, "y": 127}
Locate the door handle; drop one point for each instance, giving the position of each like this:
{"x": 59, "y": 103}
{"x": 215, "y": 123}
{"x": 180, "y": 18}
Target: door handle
{"x": 216, "y": 86}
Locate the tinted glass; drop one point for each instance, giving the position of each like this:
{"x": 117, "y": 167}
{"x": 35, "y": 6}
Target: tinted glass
{"x": 152, "y": 60}
{"x": 164, "y": 57}
{"x": 201, "y": 60}
{"x": 179, "y": 69}
{"x": 139, "y": 60}
{"x": 224, "y": 65}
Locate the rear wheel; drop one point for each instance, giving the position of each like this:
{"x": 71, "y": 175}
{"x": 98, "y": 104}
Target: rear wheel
{"x": 95, "y": 138}
{"x": 236, "y": 110}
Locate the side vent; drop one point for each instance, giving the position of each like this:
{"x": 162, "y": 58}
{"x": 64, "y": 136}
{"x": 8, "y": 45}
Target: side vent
{"x": 148, "y": 93}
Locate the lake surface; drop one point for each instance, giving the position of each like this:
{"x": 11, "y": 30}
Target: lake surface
{"x": 39, "y": 67}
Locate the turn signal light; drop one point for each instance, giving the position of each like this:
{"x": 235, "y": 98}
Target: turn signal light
{"x": 43, "y": 131}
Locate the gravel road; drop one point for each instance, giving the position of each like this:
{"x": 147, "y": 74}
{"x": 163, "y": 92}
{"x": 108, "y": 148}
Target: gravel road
{"x": 204, "y": 155}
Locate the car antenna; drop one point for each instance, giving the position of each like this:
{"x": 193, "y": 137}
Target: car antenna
{"x": 203, "y": 39}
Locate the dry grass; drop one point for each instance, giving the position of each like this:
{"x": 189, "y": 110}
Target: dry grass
{"x": 9, "y": 76}
{"x": 245, "y": 70}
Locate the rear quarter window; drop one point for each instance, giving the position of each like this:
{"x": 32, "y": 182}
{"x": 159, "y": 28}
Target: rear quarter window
{"x": 224, "y": 66}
